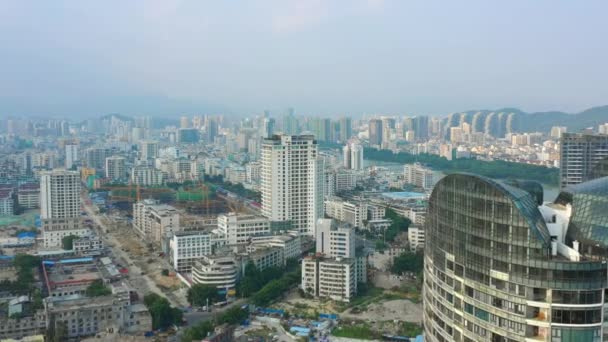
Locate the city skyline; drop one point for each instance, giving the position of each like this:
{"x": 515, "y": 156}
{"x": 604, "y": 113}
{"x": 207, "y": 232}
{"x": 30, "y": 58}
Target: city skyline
{"x": 362, "y": 57}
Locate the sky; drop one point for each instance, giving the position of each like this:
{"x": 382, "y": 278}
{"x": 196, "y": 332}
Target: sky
{"x": 168, "y": 58}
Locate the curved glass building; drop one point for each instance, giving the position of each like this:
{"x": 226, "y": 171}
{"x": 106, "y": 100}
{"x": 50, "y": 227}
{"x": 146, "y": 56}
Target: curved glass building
{"x": 502, "y": 266}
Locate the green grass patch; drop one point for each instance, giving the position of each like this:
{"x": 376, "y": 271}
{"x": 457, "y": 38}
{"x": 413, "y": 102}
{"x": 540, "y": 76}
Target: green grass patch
{"x": 360, "y": 331}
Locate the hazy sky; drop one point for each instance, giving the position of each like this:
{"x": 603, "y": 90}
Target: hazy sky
{"x": 321, "y": 57}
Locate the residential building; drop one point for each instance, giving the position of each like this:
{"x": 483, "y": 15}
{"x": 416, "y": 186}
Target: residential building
{"x": 7, "y": 202}
{"x": 415, "y": 237}
{"x": 88, "y": 245}
{"x": 333, "y": 278}
{"x": 346, "y": 128}
{"x": 419, "y": 176}
{"x": 147, "y": 176}
{"x": 152, "y": 221}
{"x": 186, "y": 247}
{"x": 28, "y": 196}
{"x": 71, "y": 155}
{"x": 60, "y": 206}
{"x": 239, "y": 228}
{"x": 345, "y": 180}
{"x": 148, "y": 149}
{"x": 583, "y": 157}
{"x": 96, "y": 157}
{"x": 375, "y": 132}
{"x": 349, "y": 212}
{"x": 221, "y": 271}
{"x": 264, "y": 256}
{"x": 353, "y": 155}
{"x": 335, "y": 241}
{"x": 291, "y": 243}
{"x": 292, "y": 181}
{"x": 502, "y": 266}
{"x": 115, "y": 168}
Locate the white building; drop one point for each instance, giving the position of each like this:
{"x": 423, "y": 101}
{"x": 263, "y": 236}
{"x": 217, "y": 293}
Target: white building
{"x": 188, "y": 246}
{"x": 349, "y": 212}
{"x": 147, "y": 176}
{"x": 60, "y": 206}
{"x": 332, "y": 278}
{"x": 88, "y": 245}
{"x": 292, "y": 181}
{"x": 335, "y": 241}
{"x": 419, "y": 176}
{"x": 148, "y": 149}
{"x": 291, "y": 243}
{"x": 115, "y": 168}
{"x": 71, "y": 155}
{"x": 221, "y": 271}
{"x": 7, "y": 202}
{"x": 264, "y": 257}
{"x": 152, "y": 221}
{"x": 415, "y": 236}
{"x": 239, "y": 229}
{"x": 345, "y": 180}
{"x": 353, "y": 155}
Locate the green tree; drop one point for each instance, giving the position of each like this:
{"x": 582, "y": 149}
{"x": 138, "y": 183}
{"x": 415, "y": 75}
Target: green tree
{"x": 163, "y": 315}
{"x": 67, "y": 242}
{"x": 408, "y": 262}
{"x": 97, "y": 289}
{"x": 198, "y": 295}
{"x": 399, "y": 224}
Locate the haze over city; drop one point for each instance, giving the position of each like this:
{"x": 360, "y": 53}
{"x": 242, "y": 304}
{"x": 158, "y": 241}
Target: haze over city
{"x": 167, "y": 58}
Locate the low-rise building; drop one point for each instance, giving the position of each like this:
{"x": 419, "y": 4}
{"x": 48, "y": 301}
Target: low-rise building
{"x": 188, "y": 246}
{"x": 264, "y": 257}
{"x": 415, "y": 236}
{"x": 221, "y": 271}
{"x": 88, "y": 245}
{"x": 333, "y": 278}
{"x": 152, "y": 221}
{"x": 28, "y": 196}
{"x": 291, "y": 243}
{"x": 239, "y": 229}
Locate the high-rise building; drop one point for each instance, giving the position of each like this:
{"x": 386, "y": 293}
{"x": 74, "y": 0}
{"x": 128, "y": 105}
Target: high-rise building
{"x": 557, "y": 131}
{"x": 60, "y": 206}
{"x": 292, "y": 181}
{"x": 346, "y": 128}
{"x": 268, "y": 127}
{"x": 184, "y": 122}
{"x": 71, "y": 155}
{"x": 502, "y": 266}
{"x": 115, "y": 168}
{"x": 353, "y": 156}
{"x": 188, "y": 135}
{"x": 96, "y": 157}
{"x": 290, "y": 123}
{"x": 420, "y": 125}
{"x": 211, "y": 130}
{"x": 583, "y": 157}
{"x": 375, "y": 132}
{"x": 148, "y": 149}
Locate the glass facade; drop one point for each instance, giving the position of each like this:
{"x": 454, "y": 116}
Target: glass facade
{"x": 491, "y": 271}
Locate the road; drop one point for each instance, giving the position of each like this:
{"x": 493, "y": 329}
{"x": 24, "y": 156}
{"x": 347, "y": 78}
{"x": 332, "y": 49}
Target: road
{"x": 134, "y": 270}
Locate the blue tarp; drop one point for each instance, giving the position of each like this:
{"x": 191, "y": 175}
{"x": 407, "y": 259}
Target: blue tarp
{"x": 68, "y": 261}
{"x": 24, "y": 235}
{"x": 271, "y": 311}
{"x": 328, "y": 316}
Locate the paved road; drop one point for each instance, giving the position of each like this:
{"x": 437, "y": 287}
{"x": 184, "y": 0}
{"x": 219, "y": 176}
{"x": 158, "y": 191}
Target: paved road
{"x": 110, "y": 240}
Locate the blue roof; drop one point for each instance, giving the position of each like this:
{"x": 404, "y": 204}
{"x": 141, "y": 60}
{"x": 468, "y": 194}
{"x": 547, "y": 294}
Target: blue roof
{"x": 401, "y": 195}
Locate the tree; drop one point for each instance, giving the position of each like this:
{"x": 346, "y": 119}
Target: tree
{"x": 198, "y": 295}
{"x": 67, "y": 242}
{"x": 399, "y": 224}
{"x": 163, "y": 315}
{"x": 408, "y": 262}
{"x": 97, "y": 289}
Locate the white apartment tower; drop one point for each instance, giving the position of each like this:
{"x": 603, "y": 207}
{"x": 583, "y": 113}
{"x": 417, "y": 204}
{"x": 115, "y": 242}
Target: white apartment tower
{"x": 292, "y": 181}
{"x": 115, "y": 168}
{"x": 60, "y": 206}
{"x": 353, "y": 155}
{"x": 335, "y": 241}
{"x": 71, "y": 155}
{"x": 148, "y": 149}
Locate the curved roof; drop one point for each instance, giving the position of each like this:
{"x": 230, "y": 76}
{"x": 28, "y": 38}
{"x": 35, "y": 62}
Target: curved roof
{"x": 589, "y": 220}
{"x": 525, "y": 202}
